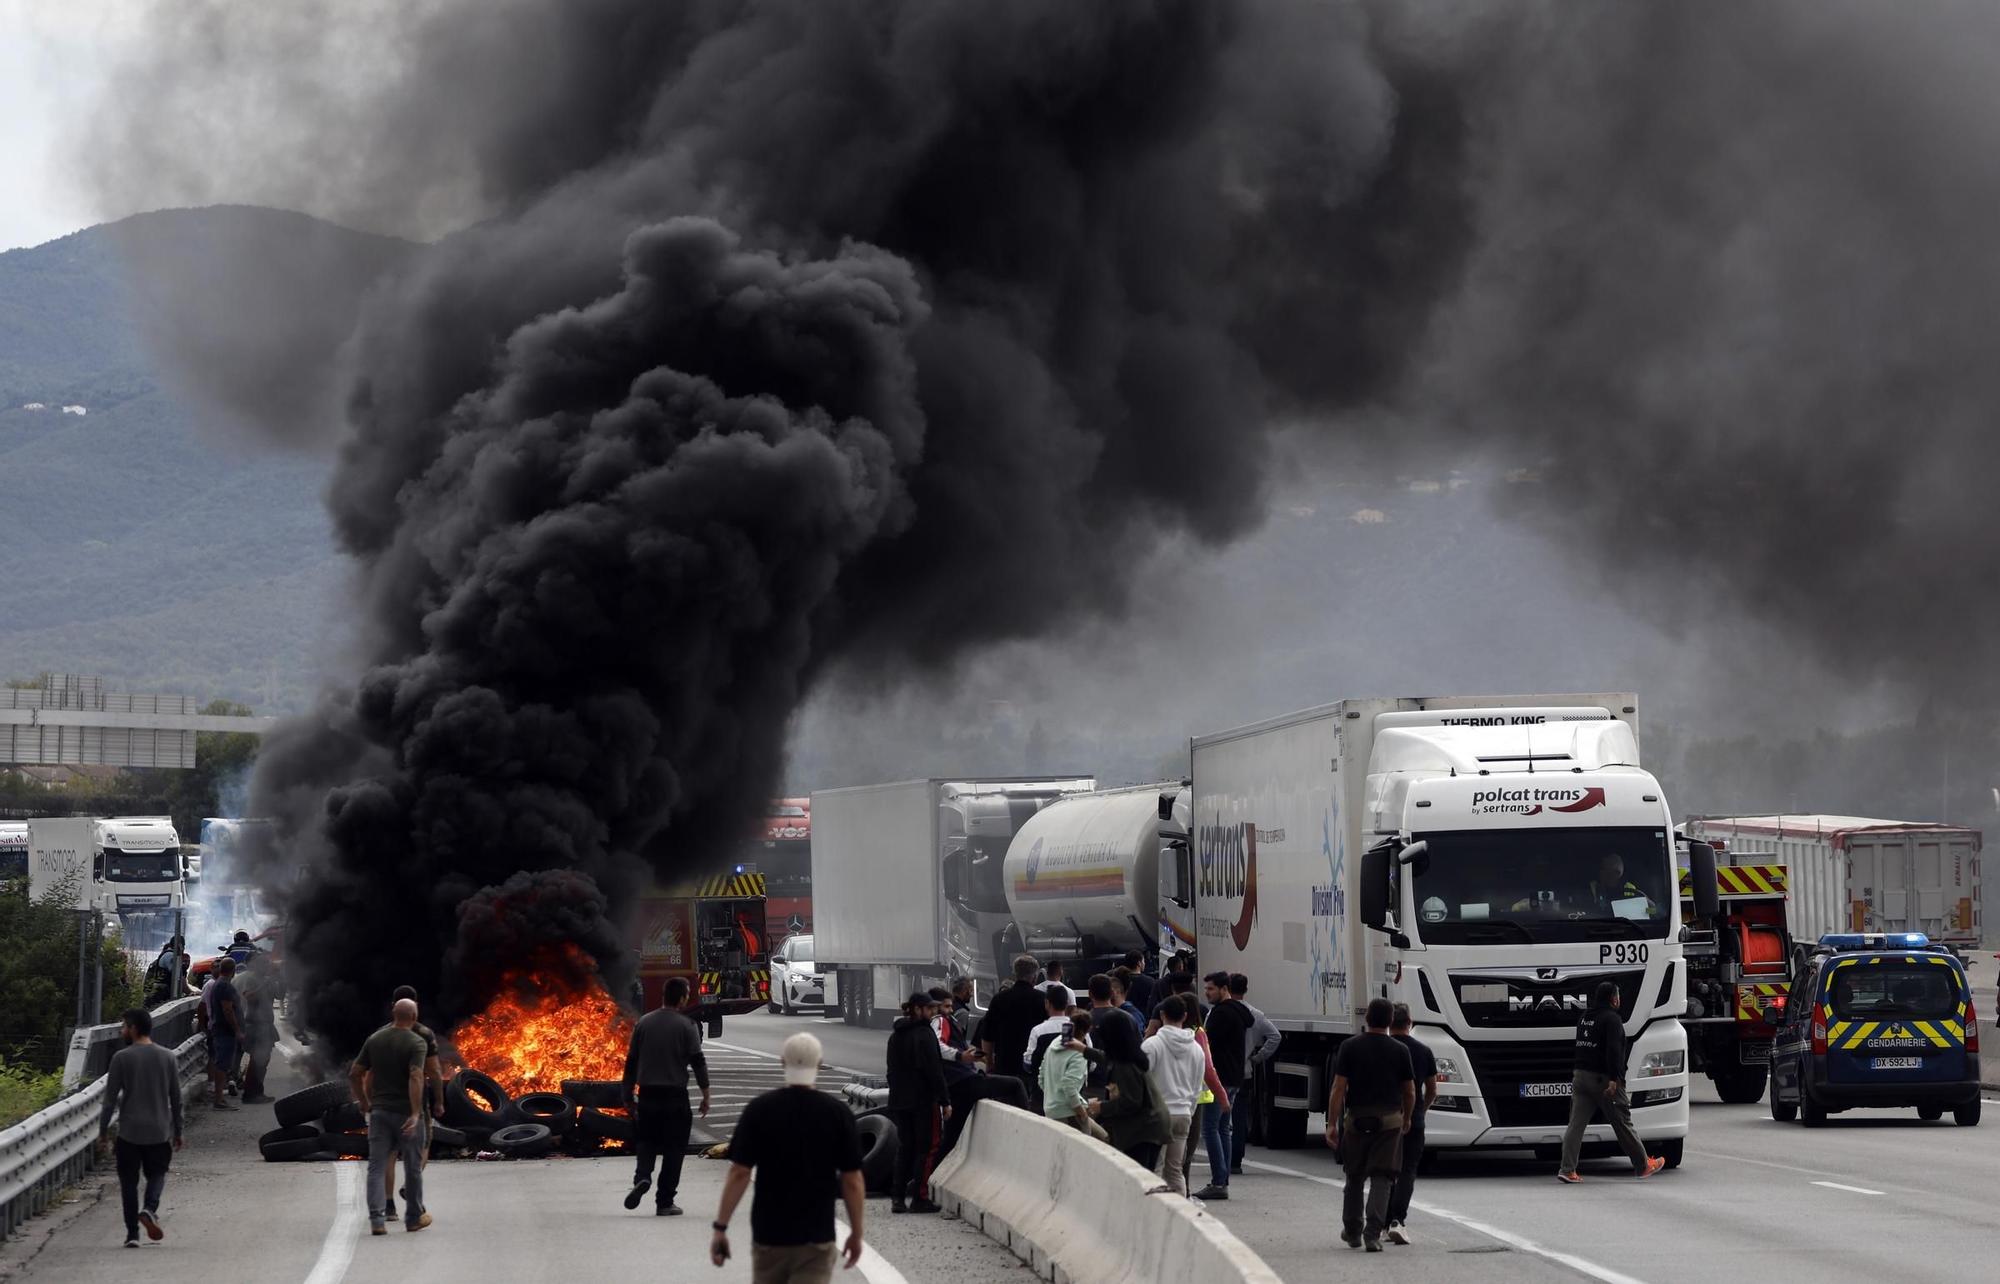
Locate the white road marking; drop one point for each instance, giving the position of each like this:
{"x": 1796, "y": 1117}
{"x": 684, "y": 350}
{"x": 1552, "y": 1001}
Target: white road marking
{"x": 874, "y": 1267}
{"x": 1859, "y": 1190}
{"x": 772, "y": 1056}
{"x": 337, "y": 1249}
{"x": 1522, "y": 1243}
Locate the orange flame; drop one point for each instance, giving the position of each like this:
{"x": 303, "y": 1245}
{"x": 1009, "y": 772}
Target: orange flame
{"x": 540, "y": 1031}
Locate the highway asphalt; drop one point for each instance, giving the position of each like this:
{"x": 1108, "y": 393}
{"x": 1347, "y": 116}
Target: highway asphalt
{"x": 1874, "y": 1195}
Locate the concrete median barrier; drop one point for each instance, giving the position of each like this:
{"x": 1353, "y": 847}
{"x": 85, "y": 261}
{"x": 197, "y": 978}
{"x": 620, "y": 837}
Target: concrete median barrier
{"x": 1074, "y": 1209}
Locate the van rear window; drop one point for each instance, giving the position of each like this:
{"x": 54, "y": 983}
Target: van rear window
{"x": 1875, "y": 991}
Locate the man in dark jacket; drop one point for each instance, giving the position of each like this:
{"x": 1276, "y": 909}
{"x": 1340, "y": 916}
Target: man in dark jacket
{"x": 1013, "y": 1013}
{"x": 917, "y": 1102}
{"x": 1599, "y": 1086}
{"x": 1228, "y": 1027}
{"x": 666, "y": 1046}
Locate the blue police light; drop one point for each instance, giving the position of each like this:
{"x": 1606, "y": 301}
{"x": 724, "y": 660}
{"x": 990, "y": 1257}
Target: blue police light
{"x": 1875, "y": 941}
{"x": 739, "y": 869}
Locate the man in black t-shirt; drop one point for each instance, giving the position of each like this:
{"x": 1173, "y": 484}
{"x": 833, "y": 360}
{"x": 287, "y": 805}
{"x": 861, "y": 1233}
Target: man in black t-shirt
{"x": 1013, "y": 1013}
{"x": 797, "y": 1139}
{"x": 1373, "y": 1100}
{"x": 1228, "y": 1028}
{"x": 1424, "y": 1066}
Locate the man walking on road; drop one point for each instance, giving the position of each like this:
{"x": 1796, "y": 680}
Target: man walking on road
{"x": 143, "y": 1088}
{"x": 1599, "y": 1086}
{"x": 1424, "y": 1065}
{"x": 665, "y": 1046}
{"x": 795, "y": 1138}
{"x": 1373, "y": 1100}
{"x": 388, "y": 1084}
{"x": 433, "y": 1100}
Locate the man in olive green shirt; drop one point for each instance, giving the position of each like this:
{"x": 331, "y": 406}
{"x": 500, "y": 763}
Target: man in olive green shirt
{"x": 388, "y": 1083}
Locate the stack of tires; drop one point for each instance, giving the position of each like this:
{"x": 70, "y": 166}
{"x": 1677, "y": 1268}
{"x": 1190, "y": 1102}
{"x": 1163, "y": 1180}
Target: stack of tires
{"x": 581, "y": 1119}
{"x": 324, "y": 1122}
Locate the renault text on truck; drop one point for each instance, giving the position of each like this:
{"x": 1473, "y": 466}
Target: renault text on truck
{"x": 1487, "y": 860}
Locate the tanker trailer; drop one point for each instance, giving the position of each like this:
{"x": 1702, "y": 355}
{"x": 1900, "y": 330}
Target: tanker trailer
{"x": 1084, "y": 876}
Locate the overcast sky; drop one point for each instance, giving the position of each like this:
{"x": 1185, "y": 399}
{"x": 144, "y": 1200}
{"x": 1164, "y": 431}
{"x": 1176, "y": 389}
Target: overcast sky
{"x": 54, "y": 56}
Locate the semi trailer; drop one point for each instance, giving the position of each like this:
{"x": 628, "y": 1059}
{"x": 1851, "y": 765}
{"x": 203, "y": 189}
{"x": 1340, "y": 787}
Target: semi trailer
{"x": 1489, "y": 861}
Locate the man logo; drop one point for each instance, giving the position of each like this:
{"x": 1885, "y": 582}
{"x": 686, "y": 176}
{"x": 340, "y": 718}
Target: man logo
{"x": 1548, "y": 1003}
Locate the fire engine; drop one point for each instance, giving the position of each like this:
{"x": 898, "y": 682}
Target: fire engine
{"x": 1739, "y": 965}
{"x": 712, "y": 933}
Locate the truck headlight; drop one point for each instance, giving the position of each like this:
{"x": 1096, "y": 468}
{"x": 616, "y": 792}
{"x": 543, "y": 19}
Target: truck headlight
{"x": 1656, "y": 1064}
{"x": 1448, "y": 1071}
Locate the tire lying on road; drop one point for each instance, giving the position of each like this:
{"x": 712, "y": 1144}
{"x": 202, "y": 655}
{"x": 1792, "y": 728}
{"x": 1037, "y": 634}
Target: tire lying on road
{"x": 463, "y": 1110}
{"x": 351, "y": 1144}
{"x": 345, "y": 1117}
{"x": 280, "y": 1145}
{"x": 595, "y": 1094}
{"x": 444, "y": 1137}
{"x": 309, "y": 1104}
{"x": 604, "y": 1127}
{"x": 524, "y": 1141}
{"x": 550, "y": 1109}
{"x": 878, "y": 1153}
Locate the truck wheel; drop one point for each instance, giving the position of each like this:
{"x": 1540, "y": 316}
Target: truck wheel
{"x": 1783, "y": 1111}
{"x": 1739, "y": 1085}
{"x": 1670, "y": 1151}
{"x": 1967, "y": 1115}
{"x": 1813, "y": 1113}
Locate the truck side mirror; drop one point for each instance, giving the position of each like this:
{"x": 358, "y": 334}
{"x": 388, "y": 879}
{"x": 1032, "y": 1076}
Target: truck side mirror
{"x": 1701, "y": 874}
{"x": 1374, "y": 892}
{"x": 97, "y": 869}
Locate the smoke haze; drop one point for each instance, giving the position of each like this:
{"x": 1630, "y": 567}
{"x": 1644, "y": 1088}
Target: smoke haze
{"x": 770, "y": 338}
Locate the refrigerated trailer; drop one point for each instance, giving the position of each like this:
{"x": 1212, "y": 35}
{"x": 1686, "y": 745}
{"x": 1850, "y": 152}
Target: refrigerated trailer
{"x": 1488, "y": 860}
{"x": 1855, "y": 874}
{"x": 910, "y": 885}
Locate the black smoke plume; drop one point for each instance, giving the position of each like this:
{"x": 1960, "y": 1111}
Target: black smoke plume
{"x": 775, "y": 335}
{"x": 790, "y": 332}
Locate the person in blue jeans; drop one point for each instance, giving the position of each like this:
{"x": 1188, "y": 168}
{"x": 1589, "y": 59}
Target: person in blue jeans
{"x": 1228, "y": 1028}
{"x": 388, "y": 1082}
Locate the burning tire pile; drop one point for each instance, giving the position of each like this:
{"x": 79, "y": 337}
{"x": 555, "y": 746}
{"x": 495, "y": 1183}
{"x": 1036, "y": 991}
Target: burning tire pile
{"x": 586, "y": 1117}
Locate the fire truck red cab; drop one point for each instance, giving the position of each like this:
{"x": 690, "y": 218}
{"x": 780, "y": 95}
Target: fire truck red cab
{"x": 710, "y": 932}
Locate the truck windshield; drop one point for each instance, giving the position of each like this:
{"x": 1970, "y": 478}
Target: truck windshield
{"x": 1892, "y": 989}
{"x": 142, "y": 867}
{"x": 1521, "y": 886}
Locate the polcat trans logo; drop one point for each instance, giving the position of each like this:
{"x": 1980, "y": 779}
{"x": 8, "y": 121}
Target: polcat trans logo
{"x": 1227, "y": 869}
{"x": 1532, "y": 801}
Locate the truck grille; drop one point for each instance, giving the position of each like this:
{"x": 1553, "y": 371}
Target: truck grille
{"x": 1499, "y": 1069}
{"x": 1512, "y": 1000}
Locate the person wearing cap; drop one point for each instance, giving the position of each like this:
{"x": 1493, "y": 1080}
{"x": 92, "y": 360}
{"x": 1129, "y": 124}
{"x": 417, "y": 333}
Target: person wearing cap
{"x": 793, "y": 1138}
{"x": 918, "y": 1102}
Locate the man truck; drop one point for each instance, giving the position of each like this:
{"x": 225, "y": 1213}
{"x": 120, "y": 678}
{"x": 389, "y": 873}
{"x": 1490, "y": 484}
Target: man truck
{"x": 1487, "y": 860}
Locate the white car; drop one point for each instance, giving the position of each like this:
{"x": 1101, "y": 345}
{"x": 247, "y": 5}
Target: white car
{"x": 795, "y": 981}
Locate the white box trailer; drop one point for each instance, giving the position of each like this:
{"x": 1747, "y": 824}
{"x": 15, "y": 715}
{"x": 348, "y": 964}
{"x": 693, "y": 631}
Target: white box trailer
{"x": 908, "y": 884}
{"x": 1856, "y": 874}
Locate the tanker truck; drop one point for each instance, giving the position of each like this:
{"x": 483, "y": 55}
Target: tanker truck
{"x": 1489, "y": 861}
{"x": 923, "y": 880}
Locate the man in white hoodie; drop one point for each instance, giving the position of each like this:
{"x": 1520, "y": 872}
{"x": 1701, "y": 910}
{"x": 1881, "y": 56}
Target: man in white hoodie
{"x": 1177, "y": 1065}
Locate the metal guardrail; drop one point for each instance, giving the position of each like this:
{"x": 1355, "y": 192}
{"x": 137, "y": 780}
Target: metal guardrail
{"x": 91, "y": 1047}
{"x": 54, "y": 1148}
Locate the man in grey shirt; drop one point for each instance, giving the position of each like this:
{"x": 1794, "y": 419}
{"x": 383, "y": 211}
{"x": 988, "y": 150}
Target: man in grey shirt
{"x": 665, "y": 1046}
{"x": 143, "y": 1089}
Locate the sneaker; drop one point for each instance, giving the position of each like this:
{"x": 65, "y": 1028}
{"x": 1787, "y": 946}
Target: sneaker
{"x": 1350, "y": 1238}
{"x": 924, "y": 1206}
{"x": 1372, "y": 1244}
{"x": 1396, "y": 1233}
{"x": 667, "y": 1210}
{"x": 151, "y": 1222}
{"x": 423, "y": 1220}
{"x": 638, "y": 1192}
{"x": 1236, "y": 1170}
{"x": 389, "y": 1210}
{"x": 1571, "y": 1178}
{"x": 1212, "y": 1191}
{"x": 1653, "y": 1165}
{"x": 131, "y": 1241}
{"x": 898, "y": 1206}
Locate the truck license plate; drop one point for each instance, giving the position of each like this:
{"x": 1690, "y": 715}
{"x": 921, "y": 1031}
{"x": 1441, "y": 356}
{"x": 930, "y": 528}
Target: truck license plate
{"x": 1545, "y": 1089}
{"x": 1895, "y": 1063}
